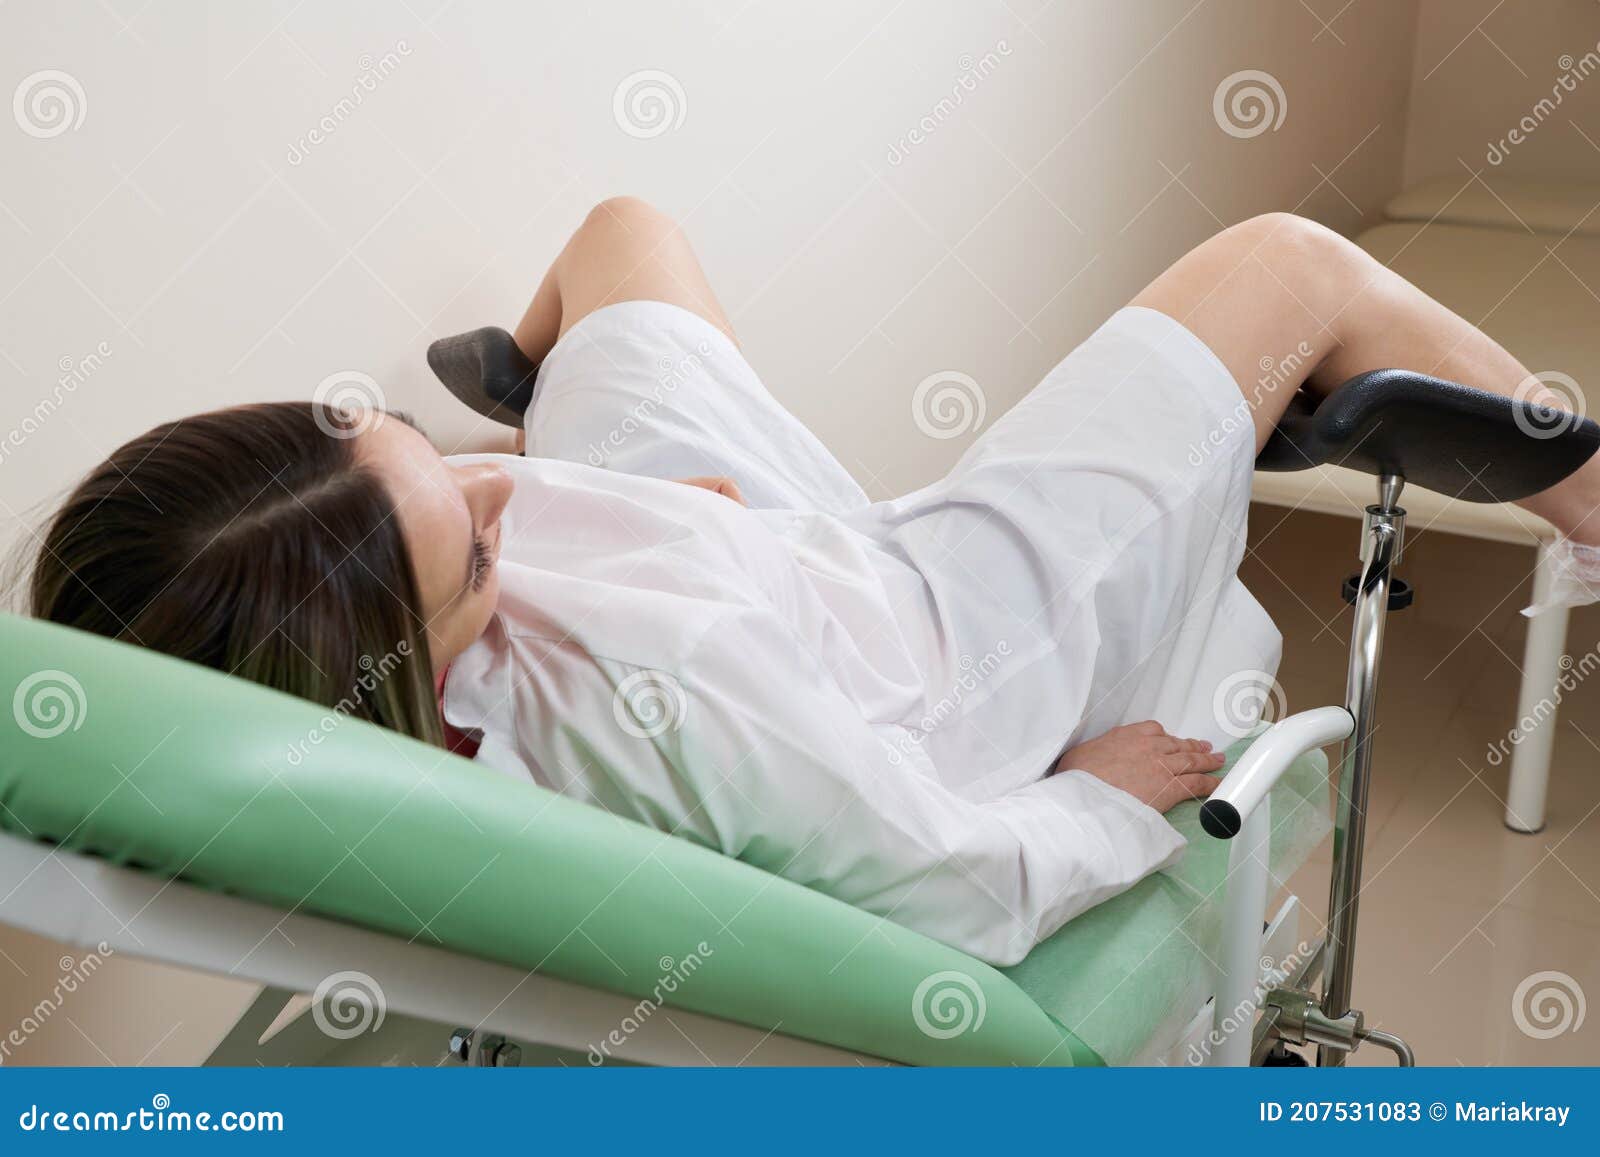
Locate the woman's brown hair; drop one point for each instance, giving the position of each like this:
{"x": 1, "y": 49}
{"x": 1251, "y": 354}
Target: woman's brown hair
{"x": 252, "y": 540}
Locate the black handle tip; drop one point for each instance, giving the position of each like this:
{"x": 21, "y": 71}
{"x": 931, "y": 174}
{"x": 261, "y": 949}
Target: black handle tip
{"x": 1220, "y": 819}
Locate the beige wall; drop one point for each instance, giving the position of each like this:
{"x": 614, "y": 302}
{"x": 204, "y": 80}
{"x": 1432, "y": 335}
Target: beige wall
{"x": 188, "y": 226}
{"x": 1487, "y": 73}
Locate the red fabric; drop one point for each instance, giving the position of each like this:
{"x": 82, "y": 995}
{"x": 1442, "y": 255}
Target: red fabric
{"x": 457, "y": 741}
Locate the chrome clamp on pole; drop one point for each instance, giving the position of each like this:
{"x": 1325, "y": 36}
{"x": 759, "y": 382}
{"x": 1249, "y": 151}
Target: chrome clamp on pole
{"x": 1294, "y": 1017}
{"x": 1383, "y": 532}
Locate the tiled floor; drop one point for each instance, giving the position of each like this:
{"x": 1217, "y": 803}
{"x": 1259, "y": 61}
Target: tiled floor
{"x": 1458, "y": 912}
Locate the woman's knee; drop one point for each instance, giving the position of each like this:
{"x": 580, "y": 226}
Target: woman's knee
{"x": 1290, "y": 244}
{"x": 629, "y": 250}
{"x": 1239, "y": 280}
{"x": 1321, "y": 276}
{"x": 616, "y": 237}
{"x": 632, "y": 215}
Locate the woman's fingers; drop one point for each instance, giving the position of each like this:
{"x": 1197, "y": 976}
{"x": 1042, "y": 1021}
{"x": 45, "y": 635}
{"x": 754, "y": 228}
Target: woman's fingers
{"x": 717, "y": 484}
{"x": 1197, "y": 785}
{"x": 1185, "y": 762}
{"x": 1193, "y": 785}
{"x": 1166, "y": 744}
{"x": 1165, "y": 741}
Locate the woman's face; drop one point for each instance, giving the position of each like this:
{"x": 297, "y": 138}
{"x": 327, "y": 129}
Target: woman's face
{"x": 450, "y": 520}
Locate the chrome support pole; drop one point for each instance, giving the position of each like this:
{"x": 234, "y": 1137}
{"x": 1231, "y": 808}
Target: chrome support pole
{"x": 1382, "y": 538}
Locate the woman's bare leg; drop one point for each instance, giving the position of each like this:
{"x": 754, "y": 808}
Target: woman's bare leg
{"x": 1282, "y": 292}
{"x": 625, "y": 250}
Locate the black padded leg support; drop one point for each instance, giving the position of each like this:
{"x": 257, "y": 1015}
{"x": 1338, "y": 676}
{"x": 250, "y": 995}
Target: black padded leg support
{"x": 488, "y": 371}
{"x": 1457, "y": 441}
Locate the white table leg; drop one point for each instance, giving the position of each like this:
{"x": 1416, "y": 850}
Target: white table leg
{"x": 1536, "y": 708}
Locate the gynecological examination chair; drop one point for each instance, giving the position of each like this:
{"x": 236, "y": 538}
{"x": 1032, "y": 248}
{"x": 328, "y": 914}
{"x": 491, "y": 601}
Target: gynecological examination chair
{"x": 401, "y": 905}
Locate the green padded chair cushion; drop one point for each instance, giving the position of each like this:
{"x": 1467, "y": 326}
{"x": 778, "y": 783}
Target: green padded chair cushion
{"x": 181, "y": 771}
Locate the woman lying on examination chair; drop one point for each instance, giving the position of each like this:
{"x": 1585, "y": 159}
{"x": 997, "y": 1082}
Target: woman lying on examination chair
{"x": 964, "y": 709}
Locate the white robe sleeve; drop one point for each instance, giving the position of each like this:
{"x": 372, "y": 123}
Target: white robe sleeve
{"x": 787, "y": 776}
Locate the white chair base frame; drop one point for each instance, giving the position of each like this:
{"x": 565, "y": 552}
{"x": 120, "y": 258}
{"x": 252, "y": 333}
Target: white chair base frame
{"x": 429, "y": 992}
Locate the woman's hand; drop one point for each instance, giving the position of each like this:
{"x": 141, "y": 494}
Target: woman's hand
{"x": 717, "y": 484}
{"x": 1143, "y": 760}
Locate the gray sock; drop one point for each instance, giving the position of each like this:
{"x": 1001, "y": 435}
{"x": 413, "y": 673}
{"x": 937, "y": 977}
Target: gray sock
{"x": 488, "y": 371}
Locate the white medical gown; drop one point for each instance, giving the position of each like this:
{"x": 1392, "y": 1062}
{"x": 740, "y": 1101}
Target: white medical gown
{"x": 866, "y": 697}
